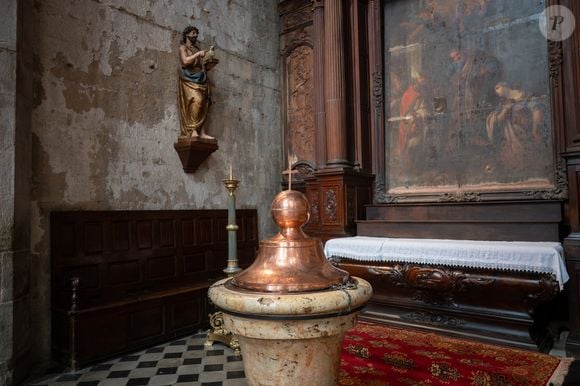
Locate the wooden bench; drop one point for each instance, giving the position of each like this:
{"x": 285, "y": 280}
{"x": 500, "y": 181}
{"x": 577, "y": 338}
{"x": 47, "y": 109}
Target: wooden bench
{"x": 124, "y": 280}
{"x": 490, "y": 305}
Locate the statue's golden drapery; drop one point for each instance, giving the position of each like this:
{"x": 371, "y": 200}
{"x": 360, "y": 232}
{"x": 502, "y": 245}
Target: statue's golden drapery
{"x": 193, "y": 101}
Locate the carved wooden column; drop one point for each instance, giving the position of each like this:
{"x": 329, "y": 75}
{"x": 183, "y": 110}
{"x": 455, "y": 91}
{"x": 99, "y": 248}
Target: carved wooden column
{"x": 319, "y": 97}
{"x": 334, "y": 83}
{"x": 337, "y": 192}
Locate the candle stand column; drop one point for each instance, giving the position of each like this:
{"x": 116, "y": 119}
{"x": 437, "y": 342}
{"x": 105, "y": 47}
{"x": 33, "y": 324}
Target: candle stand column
{"x": 218, "y": 333}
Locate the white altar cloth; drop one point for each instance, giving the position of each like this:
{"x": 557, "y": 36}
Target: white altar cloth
{"x": 543, "y": 257}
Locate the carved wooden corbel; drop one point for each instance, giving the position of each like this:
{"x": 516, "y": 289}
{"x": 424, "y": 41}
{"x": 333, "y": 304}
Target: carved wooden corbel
{"x": 193, "y": 151}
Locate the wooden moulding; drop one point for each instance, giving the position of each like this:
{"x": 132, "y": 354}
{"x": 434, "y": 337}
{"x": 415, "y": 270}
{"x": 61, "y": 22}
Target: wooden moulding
{"x": 193, "y": 151}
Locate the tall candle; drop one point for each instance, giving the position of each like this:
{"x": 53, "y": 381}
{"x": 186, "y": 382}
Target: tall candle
{"x": 231, "y": 173}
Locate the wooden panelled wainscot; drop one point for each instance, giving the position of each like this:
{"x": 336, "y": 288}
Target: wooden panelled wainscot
{"x": 123, "y": 280}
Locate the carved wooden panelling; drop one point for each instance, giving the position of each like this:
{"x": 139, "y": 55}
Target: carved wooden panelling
{"x": 220, "y": 235}
{"x": 330, "y": 205}
{"x": 144, "y": 234}
{"x": 124, "y": 279}
{"x": 139, "y": 330}
{"x": 188, "y": 232}
{"x": 67, "y": 240}
{"x": 182, "y": 319}
{"x": 434, "y": 285}
{"x": 194, "y": 262}
{"x": 314, "y": 207}
{"x": 205, "y": 230}
{"x": 161, "y": 267}
{"x": 120, "y": 236}
{"x": 93, "y": 241}
{"x": 124, "y": 272}
{"x": 575, "y": 100}
{"x": 435, "y": 319}
{"x": 166, "y": 233}
{"x": 300, "y": 104}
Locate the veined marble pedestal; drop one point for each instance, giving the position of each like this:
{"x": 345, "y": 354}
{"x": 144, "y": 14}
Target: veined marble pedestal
{"x": 290, "y": 338}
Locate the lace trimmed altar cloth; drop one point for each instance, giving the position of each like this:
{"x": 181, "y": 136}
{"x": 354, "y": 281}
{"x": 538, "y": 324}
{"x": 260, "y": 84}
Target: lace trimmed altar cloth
{"x": 527, "y": 256}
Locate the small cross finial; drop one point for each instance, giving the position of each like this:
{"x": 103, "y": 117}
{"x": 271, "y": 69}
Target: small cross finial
{"x": 289, "y": 171}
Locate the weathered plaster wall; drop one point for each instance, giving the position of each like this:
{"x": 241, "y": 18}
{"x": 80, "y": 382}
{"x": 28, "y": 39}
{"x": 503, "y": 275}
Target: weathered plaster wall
{"x": 105, "y": 115}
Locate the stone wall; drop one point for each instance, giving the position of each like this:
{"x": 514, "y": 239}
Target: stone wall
{"x": 15, "y": 106}
{"x": 7, "y": 160}
{"x": 104, "y": 116}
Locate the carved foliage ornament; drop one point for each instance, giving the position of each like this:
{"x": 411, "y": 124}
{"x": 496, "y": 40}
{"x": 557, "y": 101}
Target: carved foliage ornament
{"x": 435, "y": 285}
{"x": 433, "y": 319}
{"x": 313, "y": 198}
{"x": 300, "y": 107}
{"x": 556, "y": 59}
{"x": 330, "y": 204}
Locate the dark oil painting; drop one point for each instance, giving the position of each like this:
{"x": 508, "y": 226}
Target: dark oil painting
{"x": 467, "y": 96}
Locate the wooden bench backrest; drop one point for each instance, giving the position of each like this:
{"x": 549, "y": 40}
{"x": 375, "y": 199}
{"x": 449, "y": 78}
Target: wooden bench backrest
{"x": 120, "y": 254}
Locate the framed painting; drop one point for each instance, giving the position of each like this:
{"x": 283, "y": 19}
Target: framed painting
{"x": 467, "y": 103}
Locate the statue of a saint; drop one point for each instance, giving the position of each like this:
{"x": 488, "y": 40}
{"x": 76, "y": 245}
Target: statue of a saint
{"x": 194, "y": 92}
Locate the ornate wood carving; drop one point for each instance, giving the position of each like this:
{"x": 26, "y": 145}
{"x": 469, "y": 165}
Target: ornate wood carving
{"x": 330, "y": 204}
{"x": 317, "y": 4}
{"x": 378, "y": 90}
{"x": 555, "y": 60}
{"x": 314, "y": 207}
{"x": 487, "y": 305}
{"x": 300, "y": 103}
{"x": 298, "y": 90}
{"x": 460, "y": 197}
{"x": 304, "y": 169}
{"x": 549, "y": 289}
{"x": 560, "y": 190}
{"x": 433, "y": 285}
{"x": 296, "y": 19}
{"x": 434, "y": 319}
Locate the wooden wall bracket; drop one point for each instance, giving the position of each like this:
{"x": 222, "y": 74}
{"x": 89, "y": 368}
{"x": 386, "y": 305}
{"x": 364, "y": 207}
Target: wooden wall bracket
{"x": 193, "y": 151}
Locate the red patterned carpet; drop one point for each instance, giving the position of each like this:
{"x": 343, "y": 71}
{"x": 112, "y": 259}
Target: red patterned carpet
{"x": 379, "y": 355}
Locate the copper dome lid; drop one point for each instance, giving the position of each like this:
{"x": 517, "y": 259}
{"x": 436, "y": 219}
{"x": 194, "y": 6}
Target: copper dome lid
{"x": 290, "y": 261}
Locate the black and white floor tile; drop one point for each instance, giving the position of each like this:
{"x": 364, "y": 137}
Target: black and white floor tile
{"x": 181, "y": 362}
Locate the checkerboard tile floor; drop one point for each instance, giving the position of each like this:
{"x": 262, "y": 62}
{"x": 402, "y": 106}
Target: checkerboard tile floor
{"x": 181, "y": 362}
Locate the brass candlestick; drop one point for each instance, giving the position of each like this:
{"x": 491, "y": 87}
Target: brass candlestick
{"x": 232, "y": 227}
{"x": 218, "y": 332}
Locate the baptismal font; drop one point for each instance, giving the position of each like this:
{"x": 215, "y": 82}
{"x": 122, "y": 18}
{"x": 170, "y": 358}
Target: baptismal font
{"x": 291, "y": 308}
